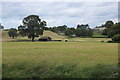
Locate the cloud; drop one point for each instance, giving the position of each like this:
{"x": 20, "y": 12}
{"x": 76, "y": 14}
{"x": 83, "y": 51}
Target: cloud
{"x": 59, "y": 0}
{"x": 60, "y": 13}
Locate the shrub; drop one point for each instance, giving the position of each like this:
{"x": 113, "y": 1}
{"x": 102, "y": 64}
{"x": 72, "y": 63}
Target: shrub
{"x": 116, "y": 37}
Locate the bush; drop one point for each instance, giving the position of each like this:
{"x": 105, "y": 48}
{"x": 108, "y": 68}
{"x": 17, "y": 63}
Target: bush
{"x": 116, "y": 37}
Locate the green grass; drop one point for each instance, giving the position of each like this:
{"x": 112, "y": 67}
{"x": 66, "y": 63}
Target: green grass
{"x": 99, "y": 36}
{"x": 37, "y": 59}
{"x": 89, "y": 39}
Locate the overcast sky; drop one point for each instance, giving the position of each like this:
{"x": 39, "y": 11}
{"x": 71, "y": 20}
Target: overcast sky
{"x": 60, "y": 13}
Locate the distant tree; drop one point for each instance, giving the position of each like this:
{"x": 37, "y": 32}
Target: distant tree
{"x": 32, "y": 26}
{"x": 83, "y": 30}
{"x": 114, "y": 30}
{"x": 82, "y": 26}
{"x": 45, "y": 28}
{"x": 116, "y": 37}
{"x": 109, "y": 24}
{"x": 72, "y": 29}
{"x": 105, "y": 31}
{"x": 55, "y": 29}
{"x": 12, "y": 33}
{"x": 62, "y": 28}
{"x": 69, "y": 32}
{"x": 80, "y": 32}
{"x": 1, "y": 27}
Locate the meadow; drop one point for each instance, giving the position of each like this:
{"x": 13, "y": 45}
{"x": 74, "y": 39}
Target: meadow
{"x": 77, "y": 58}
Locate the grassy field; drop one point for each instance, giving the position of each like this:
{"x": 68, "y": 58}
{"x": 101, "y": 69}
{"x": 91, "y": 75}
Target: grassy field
{"x": 77, "y": 58}
{"x": 29, "y": 55}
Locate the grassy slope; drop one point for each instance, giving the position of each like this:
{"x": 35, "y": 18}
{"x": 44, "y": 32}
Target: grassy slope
{"x": 53, "y": 35}
{"x": 5, "y": 36}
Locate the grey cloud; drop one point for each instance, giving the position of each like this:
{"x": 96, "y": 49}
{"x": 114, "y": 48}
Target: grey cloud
{"x": 59, "y": 13}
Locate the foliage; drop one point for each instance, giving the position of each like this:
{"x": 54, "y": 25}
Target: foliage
{"x": 116, "y": 37}
{"x": 1, "y": 27}
{"x": 114, "y": 30}
{"x": 69, "y": 32}
{"x": 43, "y": 70}
{"x": 58, "y": 29}
{"x": 32, "y": 26}
{"x": 82, "y": 26}
{"x": 12, "y": 33}
{"x": 55, "y": 29}
{"x": 105, "y": 31}
{"x": 83, "y": 30}
{"x": 109, "y": 24}
{"x": 62, "y": 28}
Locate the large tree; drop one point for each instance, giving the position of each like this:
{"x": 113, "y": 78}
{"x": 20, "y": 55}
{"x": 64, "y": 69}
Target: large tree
{"x": 32, "y": 26}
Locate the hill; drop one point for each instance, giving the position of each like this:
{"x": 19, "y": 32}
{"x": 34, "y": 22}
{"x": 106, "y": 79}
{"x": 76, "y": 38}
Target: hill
{"x": 51, "y": 34}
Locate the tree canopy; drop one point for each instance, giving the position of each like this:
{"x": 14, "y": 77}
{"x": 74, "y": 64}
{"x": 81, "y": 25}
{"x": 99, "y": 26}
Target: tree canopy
{"x": 83, "y": 30}
{"x": 32, "y": 26}
{"x": 12, "y": 33}
{"x": 114, "y": 30}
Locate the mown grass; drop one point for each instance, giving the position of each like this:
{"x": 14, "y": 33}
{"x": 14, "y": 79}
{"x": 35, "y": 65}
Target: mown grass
{"x": 60, "y": 59}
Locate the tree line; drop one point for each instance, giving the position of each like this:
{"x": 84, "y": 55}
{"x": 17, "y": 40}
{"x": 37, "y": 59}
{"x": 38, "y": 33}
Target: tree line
{"x": 33, "y": 27}
{"x": 112, "y": 30}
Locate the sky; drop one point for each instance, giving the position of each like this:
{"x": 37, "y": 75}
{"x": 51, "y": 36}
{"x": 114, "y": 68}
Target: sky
{"x": 60, "y": 13}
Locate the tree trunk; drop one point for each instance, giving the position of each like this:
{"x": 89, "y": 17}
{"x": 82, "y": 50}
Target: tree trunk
{"x": 33, "y": 39}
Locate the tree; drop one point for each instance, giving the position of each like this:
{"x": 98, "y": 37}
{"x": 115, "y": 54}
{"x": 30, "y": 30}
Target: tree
{"x": 83, "y": 30}
{"x": 116, "y": 37}
{"x": 62, "y": 28}
{"x": 1, "y": 27}
{"x": 32, "y": 27}
{"x": 109, "y": 24}
{"x": 82, "y": 26}
{"x": 12, "y": 33}
{"x": 105, "y": 31}
{"x": 55, "y": 29}
{"x": 114, "y": 30}
{"x": 69, "y": 32}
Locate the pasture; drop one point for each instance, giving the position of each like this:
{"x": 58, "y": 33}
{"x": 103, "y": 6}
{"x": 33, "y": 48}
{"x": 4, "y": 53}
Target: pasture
{"x": 52, "y": 59}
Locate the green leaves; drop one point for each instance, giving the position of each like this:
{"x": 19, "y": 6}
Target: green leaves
{"x": 12, "y": 33}
{"x": 32, "y": 26}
